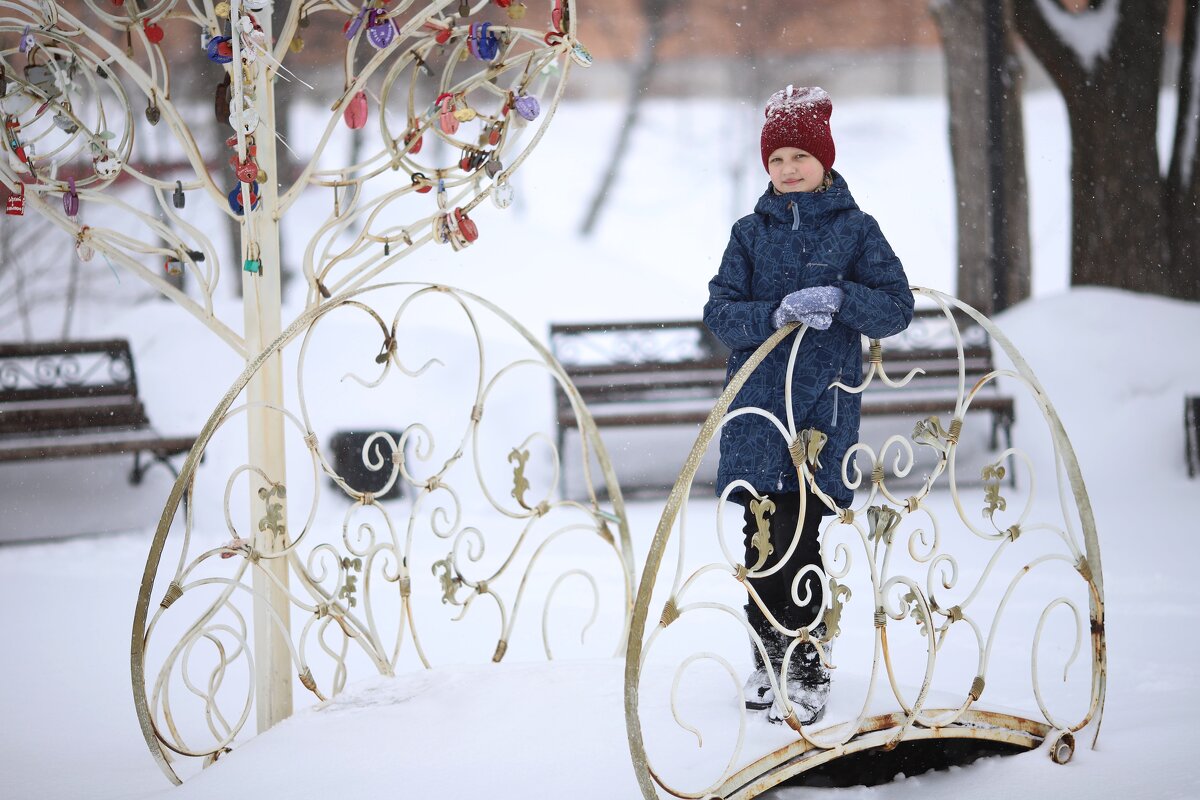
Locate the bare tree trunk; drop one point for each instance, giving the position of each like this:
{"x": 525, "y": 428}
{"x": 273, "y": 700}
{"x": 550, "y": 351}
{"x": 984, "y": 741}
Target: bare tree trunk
{"x": 655, "y": 13}
{"x": 1182, "y": 190}
{"x": 963, "y": 32}
{"x": 1118, "y": 226}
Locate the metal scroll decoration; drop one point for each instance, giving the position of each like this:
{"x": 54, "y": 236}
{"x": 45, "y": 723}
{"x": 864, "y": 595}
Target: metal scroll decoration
{"x": 474, "y": 545}
{"x": 455, "y": 95}
{"x": 959, "y": 599}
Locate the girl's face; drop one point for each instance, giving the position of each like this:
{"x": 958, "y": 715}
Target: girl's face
{"x": 794, "y": 170}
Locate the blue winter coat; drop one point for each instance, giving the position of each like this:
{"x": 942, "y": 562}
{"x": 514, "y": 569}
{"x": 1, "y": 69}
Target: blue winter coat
{"x": 790, "y": 242}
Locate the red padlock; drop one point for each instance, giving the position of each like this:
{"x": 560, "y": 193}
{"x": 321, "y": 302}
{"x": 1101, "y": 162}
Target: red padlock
{"x": 446, "y": 119}
{"x": 154, "y": 31}
{"x": 465, "y": 226}
{"x": 11, "y": 126}
{"x": 441, "y": 35}
{"x": 494, "y": 134}
{"x": 355, "y": 114}
{"x": 422, "y": 184}
{"x": 247, "y": 171}
{"x": 16, "y": 203}
{"x": 414, "y": 147}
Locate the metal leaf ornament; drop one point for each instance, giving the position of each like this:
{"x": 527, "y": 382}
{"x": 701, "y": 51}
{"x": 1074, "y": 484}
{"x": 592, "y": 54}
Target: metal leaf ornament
{"x": 761, "y": 541}
{"x": 882, "y": 521}
{"x": 930, "y": 433}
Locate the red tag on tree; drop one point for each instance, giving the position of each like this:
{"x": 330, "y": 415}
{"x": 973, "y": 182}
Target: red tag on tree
{"x": 16, "y": 203}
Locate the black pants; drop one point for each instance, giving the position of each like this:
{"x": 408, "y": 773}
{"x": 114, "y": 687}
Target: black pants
{"x": 776, "y": 589}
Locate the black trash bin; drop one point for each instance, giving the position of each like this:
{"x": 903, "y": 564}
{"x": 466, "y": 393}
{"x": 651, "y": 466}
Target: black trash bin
{"x": 346, "y": 447}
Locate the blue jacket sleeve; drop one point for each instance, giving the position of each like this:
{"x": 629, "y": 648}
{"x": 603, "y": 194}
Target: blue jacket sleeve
{"x": 740, "y": 322}
{"x": 878, "y": 303}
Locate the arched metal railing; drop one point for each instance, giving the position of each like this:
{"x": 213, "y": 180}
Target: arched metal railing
{"x": 939, "y": 591}
{"x": 480, "y": 521}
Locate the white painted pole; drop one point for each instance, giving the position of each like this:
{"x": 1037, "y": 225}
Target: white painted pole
{"x": 262, "y": 316}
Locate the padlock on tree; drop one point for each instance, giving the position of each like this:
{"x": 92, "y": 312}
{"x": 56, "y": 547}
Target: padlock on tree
{"x": 380, "y": 29}
{"x": 16, "y": 203}
{"x": 421, "y": 184}
{"x": 246, "y": 171}
{"x": 447, "y": 120}
{"x": 413, "y": 139}
{"x": 71, "y": 200}
{"x": 465, "y": 113}
{"x": 237, "y": 202}
{"x": 11, "y": 126}
{"x": 253, "y": 262}
{"x": 465, "y": 226}
{"x": 355, "y": 114}
{"x": 528, "y": 107}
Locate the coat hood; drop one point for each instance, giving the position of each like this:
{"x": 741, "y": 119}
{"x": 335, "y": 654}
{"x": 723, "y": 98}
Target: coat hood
{"x": 795, "y": 209}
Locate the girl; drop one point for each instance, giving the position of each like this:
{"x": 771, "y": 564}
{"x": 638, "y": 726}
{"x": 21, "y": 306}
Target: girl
{"x": 807, "y": 254}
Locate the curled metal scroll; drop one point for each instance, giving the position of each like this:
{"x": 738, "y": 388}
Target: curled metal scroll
{"x": 479, "y": 523}
{"x": 924, "y": 581}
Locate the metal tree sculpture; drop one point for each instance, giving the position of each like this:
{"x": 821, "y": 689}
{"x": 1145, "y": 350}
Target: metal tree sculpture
{"x": 481, "y": 78}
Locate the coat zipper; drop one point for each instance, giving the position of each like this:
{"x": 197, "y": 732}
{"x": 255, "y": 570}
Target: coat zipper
{"x": 834, "y": 389}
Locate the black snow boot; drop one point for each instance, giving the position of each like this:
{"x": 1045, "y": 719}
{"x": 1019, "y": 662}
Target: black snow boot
{"x": 758, "y": 693}
{"x": 807, "y": 681}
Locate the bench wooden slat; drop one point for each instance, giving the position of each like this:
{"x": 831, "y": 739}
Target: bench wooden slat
{"x": 116, "y": 415}
{"x": 72, "y": 447}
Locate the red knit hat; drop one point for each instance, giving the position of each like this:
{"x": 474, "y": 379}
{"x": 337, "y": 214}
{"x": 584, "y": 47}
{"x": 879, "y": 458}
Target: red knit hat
{"x": 799, "y": 117}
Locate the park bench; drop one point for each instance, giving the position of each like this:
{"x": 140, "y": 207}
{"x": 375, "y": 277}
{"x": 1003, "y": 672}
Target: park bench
{"x": 670, "y": 373}
{"x": 74, "y": 400}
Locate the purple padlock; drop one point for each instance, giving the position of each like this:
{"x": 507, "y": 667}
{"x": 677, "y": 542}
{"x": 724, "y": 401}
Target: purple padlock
{"x": 528, "y": 107}
{"x": 353, "y": 25}
{"x": 71, "y": 200}
{"x": 380, "y": 30}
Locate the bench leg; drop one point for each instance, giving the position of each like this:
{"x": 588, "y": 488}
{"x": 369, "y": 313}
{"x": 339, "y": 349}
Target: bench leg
{"x": 139, "y": 469}
{"x": 135, "y": 475}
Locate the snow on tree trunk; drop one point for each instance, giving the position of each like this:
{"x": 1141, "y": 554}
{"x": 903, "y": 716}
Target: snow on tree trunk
{"x": 1108, "y": 73}
{"x": 963, "y": 32}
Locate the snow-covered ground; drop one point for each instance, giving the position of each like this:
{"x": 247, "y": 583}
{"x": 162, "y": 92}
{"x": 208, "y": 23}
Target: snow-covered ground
{"x": 1114, "y": 364}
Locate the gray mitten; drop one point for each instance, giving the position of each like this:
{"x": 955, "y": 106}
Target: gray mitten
{"x": 814, "y": 306}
